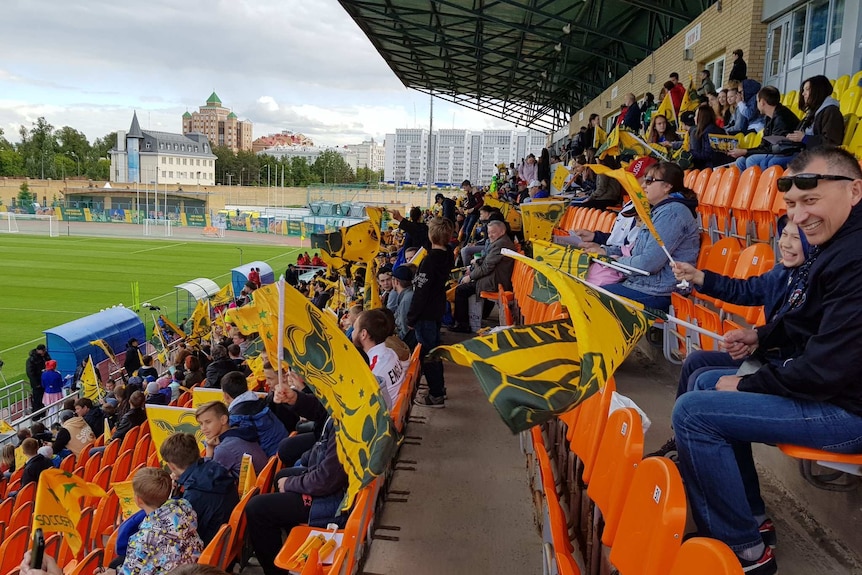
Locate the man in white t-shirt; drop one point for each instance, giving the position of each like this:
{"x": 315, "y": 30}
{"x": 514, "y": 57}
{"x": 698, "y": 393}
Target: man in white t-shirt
{"x": 370, "y": 331}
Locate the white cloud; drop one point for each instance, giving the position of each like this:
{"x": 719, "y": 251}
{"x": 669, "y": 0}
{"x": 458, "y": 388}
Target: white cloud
{"x": 302, "y": 66}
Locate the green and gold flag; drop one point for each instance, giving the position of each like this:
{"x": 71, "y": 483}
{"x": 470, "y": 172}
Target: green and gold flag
{"x": 357, "y": 243}
{"x": 540, "y": 218}
{"x": 223, "y": 296}
{"x": 200, "y": 322}
{"x": 167, "y": 420}
{"x": 531, "y": 373}
{"x": 104, "y": 346}
{"x": 90, "y": 387}
{"x": 568, "y": 259}
{"x": 599, "y": 137}
{"x": 172, "y": 326}
{"x": 316, "y": 348}
{"x": 58, "y": 504}
{"x": 510, "y": 214}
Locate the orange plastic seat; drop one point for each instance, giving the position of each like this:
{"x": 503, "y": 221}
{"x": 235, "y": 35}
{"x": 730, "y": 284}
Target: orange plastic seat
{"x": 215, "y": 552}
{"x": 112, "y": 451}
{"x": 707, "y": 319}
{"x": 723, "y": 198}
{"x": 739, "y": 206}
{"x": 503, "y": 299}
{"x": 94, "y": 464}
{"x": 556, "y": 517}
{"x": 701, "y": 181}
{"x": 238, "y": 523}
{"x": 591, "y": 425}
{"x": 721, "y": 260}
{"x": 652, "y": 524}
{"x": 760, "y": 208}
{"x": 68, "y": 463}
{"x": 620, "y": 452}
{"x": 142, "y": 450}
{"x": 104, "y": 518}
{"x": 682, "y": 308}
{"x": 27, "y": 494}
{"x": 20, "y": 517}
{"x": 13, "y": 548}
{"x": 7, "y": 506}
{"x": 705, "y": 556}
{"x": 111, "y": 547}
{"x": 754, "y": 260}
{"x": 121, "y": 468}
{"x": 130, "y": 440}
{"x": 103, "y": 477}
{"x": 690, "y": 177}
{"x": 266, "y": 475}
{"x": 90, "y": 563}
{"x": 52, "y": 545}
{"x": 84, "y": 456}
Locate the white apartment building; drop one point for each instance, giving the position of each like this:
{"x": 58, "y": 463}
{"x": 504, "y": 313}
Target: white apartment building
{"x": 369, "y": 154}
{"x": 457, "y": 154}
{"x": 310, "y": 153}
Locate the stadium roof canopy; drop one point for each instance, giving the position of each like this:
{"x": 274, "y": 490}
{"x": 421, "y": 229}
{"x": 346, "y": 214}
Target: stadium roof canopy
{"x": 532, "y": 62}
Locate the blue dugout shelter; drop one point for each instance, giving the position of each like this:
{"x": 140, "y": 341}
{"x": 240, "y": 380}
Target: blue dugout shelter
{"x": 239, "y": 275}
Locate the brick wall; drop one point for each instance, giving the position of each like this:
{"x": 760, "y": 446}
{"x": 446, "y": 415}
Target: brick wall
{"x": 737, "y": 25}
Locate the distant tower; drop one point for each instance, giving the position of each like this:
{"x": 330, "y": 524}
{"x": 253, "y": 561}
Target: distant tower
{"x": 133, "y": 147}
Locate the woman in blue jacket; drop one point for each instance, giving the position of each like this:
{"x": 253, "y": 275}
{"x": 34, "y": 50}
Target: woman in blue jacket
{"x": 673, "y": 215}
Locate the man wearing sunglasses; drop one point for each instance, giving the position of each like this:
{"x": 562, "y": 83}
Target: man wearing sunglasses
{"x": 815, "y": 398}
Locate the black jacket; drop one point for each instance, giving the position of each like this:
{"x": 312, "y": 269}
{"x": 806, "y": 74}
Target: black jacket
{"x": 132, "y": 361}
{"x": 782, "y": 122}
{"x": 212, "y": 492}
{"x": 96, "y": 420}
{"x": 34, "y": 468}
{"x": 739, "y": 72}
{"x": 35, "y": 366}
{"x": 449, "y": 208}
{"x": 429, "y": 287}
{"x": 417, "y": 234}
{"x": 824, "y": 330}
{"x": 632, "y": 119}
{"x": 217, "y": 369}
{"x": 132, "y": 418}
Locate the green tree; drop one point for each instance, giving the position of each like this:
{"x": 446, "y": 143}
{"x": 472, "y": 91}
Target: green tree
{"x": 38, "y": 147}
{"x": 26, "y": 197}
{"x": 74, "y": 146}
{"x": 366, "y": 174}
{"x": 11, "y": 163}
{"x": 300, "y": 172}
{"x": 331, "y": 168}
{"x": 4, "y": 143}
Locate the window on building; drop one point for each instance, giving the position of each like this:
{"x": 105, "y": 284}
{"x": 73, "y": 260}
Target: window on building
{"x": 185, "y": 161}
{"x": 148, "y": 145}
{"x": 837, "y": 27}
{"x": 818, "y": 26}
{"x": 716, "y": 70}
{"x": 171, "y": 160}
{"x": 797, "y": 37}
{"x": 164, "y": 160}
{"x": 170, "y": 174}
{"x": 198, "y": 162}
{"x": 164, "y": 174}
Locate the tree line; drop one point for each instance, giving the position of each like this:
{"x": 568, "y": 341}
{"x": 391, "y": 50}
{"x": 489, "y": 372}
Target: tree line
{"x": 47, "y": 152}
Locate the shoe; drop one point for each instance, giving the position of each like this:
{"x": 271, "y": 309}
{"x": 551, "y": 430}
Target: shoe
{"x": 766, "y": 565}
{"x": 767, "y": 533}
{"x": 458, "y": 328}
{"x": 667, "y": 450}
{"x": 429, "y": 401}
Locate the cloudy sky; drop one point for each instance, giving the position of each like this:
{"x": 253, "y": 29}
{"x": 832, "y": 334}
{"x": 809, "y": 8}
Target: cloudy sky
{"x": 283, "y": 64}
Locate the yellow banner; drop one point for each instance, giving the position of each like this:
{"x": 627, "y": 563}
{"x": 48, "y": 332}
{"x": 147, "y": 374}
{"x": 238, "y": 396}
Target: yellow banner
{"x": 357, "y": 243}
{"x": 126, "y": 495}
{"x": 224, "y": 296}
{"x": 247, "y": 476}
{"x": 202, "y": 395}
{"x": 5, "y": 427}
{"x": 172, "y": 326}
{"x": 558, "y": 180}
{"x": 540, "y": 218}
{"x": 510, "y": 214}
{"x": 103, "y": 345}
{"x": 58, "y": 504}
{"x": 89, "y": 382}
{"x": 316, "y": 348}
{"x": 599, "y": 137}
{"x": 166, "y": 421}
{"x": 636, "y": 194}
{"x": 200, "y": 321}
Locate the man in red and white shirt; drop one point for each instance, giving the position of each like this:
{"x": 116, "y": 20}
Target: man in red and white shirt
{"x": 370, "y": 331}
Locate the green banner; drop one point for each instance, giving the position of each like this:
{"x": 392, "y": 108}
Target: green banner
{"x": 196, "y": 220}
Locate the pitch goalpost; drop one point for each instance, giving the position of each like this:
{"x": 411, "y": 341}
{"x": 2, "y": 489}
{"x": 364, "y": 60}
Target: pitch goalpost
{"x": 35, "y": 224}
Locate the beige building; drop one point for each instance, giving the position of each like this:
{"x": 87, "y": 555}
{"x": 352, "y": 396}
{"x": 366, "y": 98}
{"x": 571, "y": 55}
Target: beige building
{"x": 369, "y": 154}
{"x": 219, "y": 125}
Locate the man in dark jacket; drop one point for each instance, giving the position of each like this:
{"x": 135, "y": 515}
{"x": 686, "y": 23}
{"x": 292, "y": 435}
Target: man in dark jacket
{"x": 133, "y": 357}
{"x": 92, "y": 414}
{"x": 323, "y": 482}
{"x": 812, "y": 400}
{"x": 291, "y": 275}
{"x": 248, "y": 410}
{"x": 209, "y": 487}
{"x": 780, "y": 121}
{"x": 739, "y": 71}
{"x": 221, "y": 365}
{"x": 447, "y": 207}
{"x": 631, "y": 116}
{"x": 35, "y": 366}
{"x": 494, "y": 269}
{"x": 135, "y": 416}
{"x": 416, "y": 230}
{"x": 36, "y": 462}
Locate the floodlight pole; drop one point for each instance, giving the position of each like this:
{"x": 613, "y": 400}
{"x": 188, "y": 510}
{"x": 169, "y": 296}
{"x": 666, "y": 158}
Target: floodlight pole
{"x": 430, "y": 150}
{"x": 240, "y": 256}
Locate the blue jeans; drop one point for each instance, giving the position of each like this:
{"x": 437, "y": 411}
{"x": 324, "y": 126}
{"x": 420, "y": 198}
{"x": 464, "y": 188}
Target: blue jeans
{"x": 660, "y": 302}
{"x": 699, "y": 362}
{"x": 428, "y": 334}
{"x": 714, "y": 432}
{"x": 707, "y": 378}
{"x": 763, "y": 160}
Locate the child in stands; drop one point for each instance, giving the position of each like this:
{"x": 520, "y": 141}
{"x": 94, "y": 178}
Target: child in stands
{"x": 207, "y": 485}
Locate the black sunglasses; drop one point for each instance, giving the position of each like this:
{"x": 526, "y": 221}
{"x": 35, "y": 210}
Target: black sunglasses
{"x": 806, "y": 181}
{"x": 650, "y": 179}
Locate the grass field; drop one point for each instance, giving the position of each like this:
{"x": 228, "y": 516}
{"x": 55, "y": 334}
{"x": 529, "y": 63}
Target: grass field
{"x": 46, "y": 281}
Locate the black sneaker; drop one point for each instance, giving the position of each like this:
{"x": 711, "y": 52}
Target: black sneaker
{"x": 765, "y": 565}
{"x": 429, "y": 401}
{"x": 667, "y": 450}
{"x": 458, "y": 328}
{"x": 767, "y": 533}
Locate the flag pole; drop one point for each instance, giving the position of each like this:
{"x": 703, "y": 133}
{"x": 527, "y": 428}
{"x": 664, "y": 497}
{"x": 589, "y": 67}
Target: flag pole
{"x": 281, "y": 286}
{"x": 628, "y": 270}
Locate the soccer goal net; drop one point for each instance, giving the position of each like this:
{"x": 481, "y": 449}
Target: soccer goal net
{"x": 13, "y": 223}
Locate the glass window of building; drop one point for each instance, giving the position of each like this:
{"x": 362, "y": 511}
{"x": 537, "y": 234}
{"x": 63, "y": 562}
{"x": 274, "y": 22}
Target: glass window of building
{"x": 818, "y": 26}
{"x": 797, "y": 37}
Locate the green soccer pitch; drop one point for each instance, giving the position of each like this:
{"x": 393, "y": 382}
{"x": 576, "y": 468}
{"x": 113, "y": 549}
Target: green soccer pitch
{"x": 47, "y": 281}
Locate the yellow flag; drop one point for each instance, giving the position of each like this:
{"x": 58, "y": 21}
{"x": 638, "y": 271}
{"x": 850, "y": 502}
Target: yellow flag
{"x": 126, "y": 495}
{"x": 20, "y": 458}
{"x": 630, "y": 184}
{"x": 689, "y": 105}
{"x": 372, "y": 290}
{"x": 166, "y": 421}
{"x": 599, "y": 137}
{"x": 667, "y": 110}
{"x": 58, "y": 504}
{"x": 357, "y": 243}
{"x": 89, "y": 382}
{"x": 540, "y": 218}
{"x": 5, "y": 427}
{"x": 611, "y": 145}
{"x": 200, "y": 321}
{"x": 224, "y": 296}
{"x": 103, "y": 345}
{"x": 107, "y": 433}
{"x": 316, "y": 348}
{"x": 631, "y": 144}
{"x": 558, "y": 180}
{"x": 247, "y": 476}
{"x": 510, "y": 214}
{"x": 418, "y": 256}
{"x": 202, "y": 395}
{"x": 172, "y": 326}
